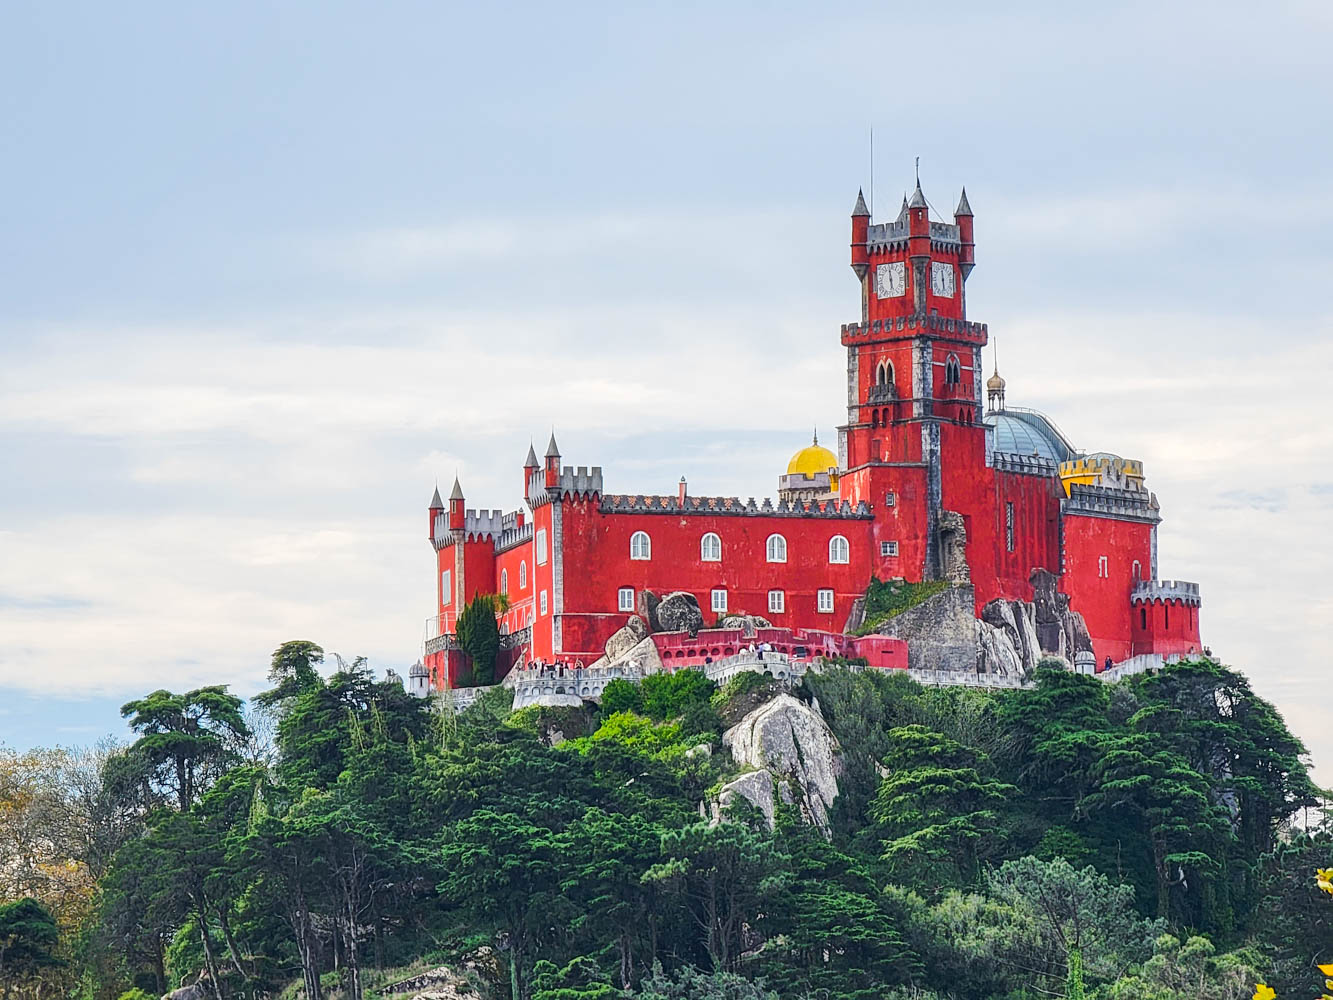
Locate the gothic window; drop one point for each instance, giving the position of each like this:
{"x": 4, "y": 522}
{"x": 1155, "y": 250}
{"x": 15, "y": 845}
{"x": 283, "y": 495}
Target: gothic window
{"x": 710, "y": 548}
{"x": 777, "y": 601}
{"x": 719, "y": 600}
{"x": 504, "y": 581}
{"x": 884, "y": 374}
{"x": 640, "y": 546}
{"x": 777, "y": 549}
{"x": 625, "y": 599}
{"x": 953, "y": 371}
{"x": 825, "y": 602}
{"x": 1009, "y": 527}
{"x": 523, "y": 575}
{"x": 838, "y": 550}
{"x": 874, "y": 418}
{"x": 446, "y": 589}
{"x": 541, "y": 547}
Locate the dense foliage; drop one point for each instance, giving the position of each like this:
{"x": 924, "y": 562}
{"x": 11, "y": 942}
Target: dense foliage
{"x": 1076, "y": 839}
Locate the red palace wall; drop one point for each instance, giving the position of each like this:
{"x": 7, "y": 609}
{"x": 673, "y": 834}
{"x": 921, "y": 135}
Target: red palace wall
{"x": 1102, "y": 596}
{"x": 597, "y": 564}
{"x": 1166, "y": 627}
{"x": 522, "y": 606}
{"x": 903, "y": 522}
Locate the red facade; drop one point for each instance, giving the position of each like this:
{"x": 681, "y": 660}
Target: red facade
{"x": 932, "y": 484}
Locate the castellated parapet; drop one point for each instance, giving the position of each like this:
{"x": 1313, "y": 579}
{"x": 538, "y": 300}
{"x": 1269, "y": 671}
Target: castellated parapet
{"x": 1166, "y": 591}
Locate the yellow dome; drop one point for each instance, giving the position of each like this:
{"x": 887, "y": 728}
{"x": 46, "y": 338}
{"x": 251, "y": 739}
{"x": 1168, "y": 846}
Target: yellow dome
{"x": 811, "y": 459}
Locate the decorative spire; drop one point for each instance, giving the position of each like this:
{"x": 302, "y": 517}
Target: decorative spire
{"x": 552, "y": 451}
{"x": 531, "y": 462}
{"x": 816, "y": 441}
{"x": 860, "y": 208}
{"x": 457, "y": 494}
{"x": 963, "y": 207}
{"x": 435, "y": 502}
{"x": 918, "y": 199}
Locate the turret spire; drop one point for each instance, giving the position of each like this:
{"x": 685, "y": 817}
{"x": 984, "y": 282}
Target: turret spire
{"x": 435, "y": 502}
{"x": 963, "y": 207}
{"x": 552, "y": 450}
{"x": 860, "y": 208}
{"x": 531, "y": 461}
{"x": 457, "y": 493}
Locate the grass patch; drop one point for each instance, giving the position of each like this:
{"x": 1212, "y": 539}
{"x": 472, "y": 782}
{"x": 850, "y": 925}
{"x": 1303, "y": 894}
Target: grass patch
{"x": 888, "y": 599}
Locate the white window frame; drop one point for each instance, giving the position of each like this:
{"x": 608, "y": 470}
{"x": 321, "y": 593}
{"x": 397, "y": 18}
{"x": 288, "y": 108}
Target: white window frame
{"x": 888, "y": 550}
{"x": 625, "y": 599}
{"x": 824, "y": 601}
{"x": 544, "y": 606}
{"x": 835, "y": 550}
{"x": 777, "y": 602}
{"x": 1103, "y": 567}
{"x": 890, "y": 499}
{"x": 541, "y": 550}
{"x": 504, "y": 581}
{"x": 640, "y": 546}
{"x": 719, "y": 600}
{"x": 1138, "y": 570}
{"x": 446, "y": 588}
{"x": 775, "y": 549}
{"x": 713, "y": 552}
{"x": 523, "y": 574}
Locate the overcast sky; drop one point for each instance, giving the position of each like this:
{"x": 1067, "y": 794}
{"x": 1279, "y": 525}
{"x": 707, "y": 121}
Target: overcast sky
{"x": 270, "y": 270}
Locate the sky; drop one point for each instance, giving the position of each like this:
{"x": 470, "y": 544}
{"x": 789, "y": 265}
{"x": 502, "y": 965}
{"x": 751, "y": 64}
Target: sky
{"x": 268, "y": 272}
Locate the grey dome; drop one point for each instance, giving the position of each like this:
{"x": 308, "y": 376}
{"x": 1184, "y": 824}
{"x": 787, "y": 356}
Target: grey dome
{"x": 1028, "y": 433}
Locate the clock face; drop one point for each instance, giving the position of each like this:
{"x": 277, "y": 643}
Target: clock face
{"x": 941, "y": 279}
{"x": 891, "y": 279}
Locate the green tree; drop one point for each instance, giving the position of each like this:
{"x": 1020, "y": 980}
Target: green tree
{"x": 186, "y": 740}
{"x": 28, "y": 938}
{"x": 621, "y": 695}
{"x": 937, "y": 811}
{"x": 292, "y": 672}
{"x": 478, "y": 635}
{"x": 668, "y": 695}
{"x": 689, "y": 983}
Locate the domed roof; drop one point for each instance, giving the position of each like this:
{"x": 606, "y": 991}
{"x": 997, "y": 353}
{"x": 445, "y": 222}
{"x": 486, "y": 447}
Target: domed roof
{"x": 1027, "y": 433}
{"x": 995, "y": 382}
{"x": 811, "y": 459}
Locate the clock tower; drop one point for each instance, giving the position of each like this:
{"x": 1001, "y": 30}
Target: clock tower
{"x": 913, "y": 385}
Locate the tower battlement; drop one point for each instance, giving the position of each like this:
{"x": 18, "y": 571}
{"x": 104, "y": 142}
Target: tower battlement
{"x": 911, "y": 326}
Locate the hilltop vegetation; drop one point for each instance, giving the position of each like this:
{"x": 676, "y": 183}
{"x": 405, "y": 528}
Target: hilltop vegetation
{"x": 1078, "y": 839}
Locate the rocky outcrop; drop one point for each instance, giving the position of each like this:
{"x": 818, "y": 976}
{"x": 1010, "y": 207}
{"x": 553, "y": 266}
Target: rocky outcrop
{"x": 941, "y": 631}
{"x": 623, "y": 640}
{"x": 444, "y": 983}
{"x": 746, "y": 623}
{"x": 756, "y": 788}
{"x": 679, "y": 612}
{"x": 953, "y": 548}
{"x": 646, "y": 606}
{"x": 1060, "y": 630}
{"x": 793, "y": 743}
{"x": 996, "y": 653}
{"x": 643, "y": 656}
{"x": 1017, "y": 621}
{"x": 195, "y": 991}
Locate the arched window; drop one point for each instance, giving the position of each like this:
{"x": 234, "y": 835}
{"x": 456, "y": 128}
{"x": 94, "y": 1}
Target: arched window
{"x": 640, "y": 546}
{"x": 504, "y": 581}
{"x": 777, "y": 548}
{"x": 1138, "y": 570}
{"x": 838, "y": 550}
{"x": 710, "y": 548}
{"x": 874, "y": 418}
{"x": 884, "y": 374}
{"x": 953, "y": 371}
{"x": 523, "y": 575}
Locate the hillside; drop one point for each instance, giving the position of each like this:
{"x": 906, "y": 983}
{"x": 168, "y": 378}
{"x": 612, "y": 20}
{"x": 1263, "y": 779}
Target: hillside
{"x": 858, "y": 836}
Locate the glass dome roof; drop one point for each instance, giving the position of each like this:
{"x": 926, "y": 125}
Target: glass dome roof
{"x": 1028, "y": 433}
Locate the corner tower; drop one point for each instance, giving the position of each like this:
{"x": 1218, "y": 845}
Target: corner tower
{"x": 913, "y": 369}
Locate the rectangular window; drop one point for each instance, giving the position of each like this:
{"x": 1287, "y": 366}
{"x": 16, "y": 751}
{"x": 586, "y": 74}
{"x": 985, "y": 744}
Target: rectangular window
{"x": 1102, "y": 570}
{"x": 890, "y": 499}
{"x": 777, "y": 601}
{"x": 446, "y": 588}
{"x": 626, "y": 598}
{"x": 826, "y": 602}
{"x": 543, "y": 602}
{"x": 541, "y": 547}
{"x": 1009, "y": 527}
{"x": 719, "y": 600}
{"x": 888, "y": 548}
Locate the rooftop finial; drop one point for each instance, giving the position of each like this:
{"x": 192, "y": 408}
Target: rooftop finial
{"x": 816, "y": 435}
{"x": 918, "y": 171}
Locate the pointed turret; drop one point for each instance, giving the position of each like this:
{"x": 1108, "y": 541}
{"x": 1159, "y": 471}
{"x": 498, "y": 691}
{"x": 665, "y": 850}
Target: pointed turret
{"x": 962, "y": 215}
{"x": 918, "y": 199}
{"x": 963, "y": 207}
{"x": 530, "y": 467}
{"x": 436, "y": 509}
{"x": 457, "y": 511}
{"x": 552, "y": 464}
{"x": 531, "y": 461}
{"x": 860, "y": 237}
{"x": 435, "y": 502}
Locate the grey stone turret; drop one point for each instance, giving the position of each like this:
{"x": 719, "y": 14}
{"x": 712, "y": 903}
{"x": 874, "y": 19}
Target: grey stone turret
{"x": 918, "y": 199}
{"x": 531, "y": 461}
{"x": 457, "y": 493}
{"x": 552, "y": 450}
{"x": 435, "y": 502}
{"x": 860, "y": 208}
{"x": 963, "y": 207}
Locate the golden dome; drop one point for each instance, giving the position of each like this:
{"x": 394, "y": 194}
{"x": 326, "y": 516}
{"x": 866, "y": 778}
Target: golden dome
{"x": 995, "y": 382}
{"x": 812, "y": 459}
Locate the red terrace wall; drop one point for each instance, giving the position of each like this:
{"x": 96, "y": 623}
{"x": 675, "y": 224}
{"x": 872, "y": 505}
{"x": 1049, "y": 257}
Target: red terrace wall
{"x": 1166, "y": 628}
{"x": 679, "y": 649}
{"x": 1104, "y": 600}
{"x": 583, "y": 636}
{"x": 597, "y": 563}
{"x": 447, "y": 664}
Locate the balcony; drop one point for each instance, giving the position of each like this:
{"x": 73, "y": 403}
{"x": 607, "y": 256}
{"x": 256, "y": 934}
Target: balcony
{"x": 955, "y": 390}
{"x": 881, "y": 394}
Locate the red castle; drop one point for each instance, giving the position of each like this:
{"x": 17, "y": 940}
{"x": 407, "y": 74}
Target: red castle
{"x": 929, "y": 484}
